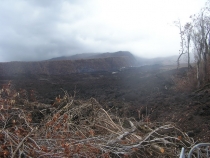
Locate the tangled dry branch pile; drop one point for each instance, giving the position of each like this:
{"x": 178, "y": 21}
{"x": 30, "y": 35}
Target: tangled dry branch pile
{"x": 77, "y": 128}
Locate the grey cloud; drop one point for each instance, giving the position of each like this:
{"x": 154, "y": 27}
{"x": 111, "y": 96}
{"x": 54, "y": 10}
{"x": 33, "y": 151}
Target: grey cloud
{"x": 43, "y": 29}
{"x": 29, "y": 31}
{"x": 39, "y": 30}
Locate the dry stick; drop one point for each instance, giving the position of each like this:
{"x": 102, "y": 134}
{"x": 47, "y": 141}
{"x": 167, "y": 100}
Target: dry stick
{"x": 67, "y": 105}
{"x": 147, "y": 137}
{"x": 19, "y": 145}
{"x": 6, "y": 133}
{"x": 107, "y": 129}
{"x": 12, "y": 139}
{"x": 81, "y": 132}
{"x": 110, "y": 119}
{"x": 120, "y": 137}
{"x": 136, "y": 136}
{"x": 164, "y": 140}
{"x": 157, "y": 147}
{"x": 34, "y": 143}
{"x": 11, "y": 146}
{"x": 109, "y": 123}
{"x": 24, "y": 117}
{"x": 137, "y": 145}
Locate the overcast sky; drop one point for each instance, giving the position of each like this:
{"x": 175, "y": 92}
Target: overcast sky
{"x": 33, "y": 30}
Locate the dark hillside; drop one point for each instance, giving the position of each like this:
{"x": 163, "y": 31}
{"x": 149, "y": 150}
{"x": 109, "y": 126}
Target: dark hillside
{"x": 66, "y": 66}
{"x": 96, "y": 56}
{"x": 76, "y": 56}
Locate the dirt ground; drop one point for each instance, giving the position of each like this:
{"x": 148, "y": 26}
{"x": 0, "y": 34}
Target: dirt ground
{"x": 142, "y": 92}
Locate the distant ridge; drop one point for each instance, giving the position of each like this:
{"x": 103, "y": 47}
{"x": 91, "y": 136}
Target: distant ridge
{"x": 95, "y": 55}
{"x": 171, "y": 60}
{"x": 64, "y": 66}
{"x": 76, "y": 56}
{"x": 81, "y": 63}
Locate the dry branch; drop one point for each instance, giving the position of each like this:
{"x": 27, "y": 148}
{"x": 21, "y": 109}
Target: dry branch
{"x": 85, "y": 129}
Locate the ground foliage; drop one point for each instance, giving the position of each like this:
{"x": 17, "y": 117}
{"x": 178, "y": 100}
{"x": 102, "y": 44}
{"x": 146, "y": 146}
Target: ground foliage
{"x": 77, "y": 128}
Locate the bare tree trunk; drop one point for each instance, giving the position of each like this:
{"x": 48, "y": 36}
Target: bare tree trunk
{"x": 199, "y": 66}
{"x": 178, "y": 64}
{"x": 198, "y": 74}
{"x": 181, "y": 43}
{"x": 203, "y": 41}
{"x": 188, "y": 52}
{"x": 205, "y": 61}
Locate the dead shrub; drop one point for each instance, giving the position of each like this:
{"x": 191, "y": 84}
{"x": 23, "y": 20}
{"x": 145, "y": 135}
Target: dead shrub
{"x": 187, "y": 82}
{"x": 77, "y": 128}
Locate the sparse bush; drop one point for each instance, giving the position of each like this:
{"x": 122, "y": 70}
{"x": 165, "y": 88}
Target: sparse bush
{"x": 185, "y": 83}
{"x": 189, "y": 82}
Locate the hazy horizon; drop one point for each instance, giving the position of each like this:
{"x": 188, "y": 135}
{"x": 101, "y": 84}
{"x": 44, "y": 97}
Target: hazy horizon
{"x": 170, "y": 57}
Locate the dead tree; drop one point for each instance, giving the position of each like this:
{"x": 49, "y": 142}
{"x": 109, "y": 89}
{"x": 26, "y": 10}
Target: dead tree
{"x": 185, "y": 36}
{"x": 182, "y": 45}
{"x": 187, "y": 32}
{"x": 200, "y": 35}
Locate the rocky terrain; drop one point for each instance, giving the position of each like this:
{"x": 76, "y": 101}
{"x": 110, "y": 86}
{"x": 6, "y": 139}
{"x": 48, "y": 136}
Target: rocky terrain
{"x": 149, "y": 95}
{"x": 140, "y": 92}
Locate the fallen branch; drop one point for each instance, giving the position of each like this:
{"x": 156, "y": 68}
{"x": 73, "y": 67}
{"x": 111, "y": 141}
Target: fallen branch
{"x": 21, "y": 143}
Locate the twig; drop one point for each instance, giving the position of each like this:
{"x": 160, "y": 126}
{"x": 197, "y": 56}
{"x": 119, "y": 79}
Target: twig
{"x": 19, "y": 145}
